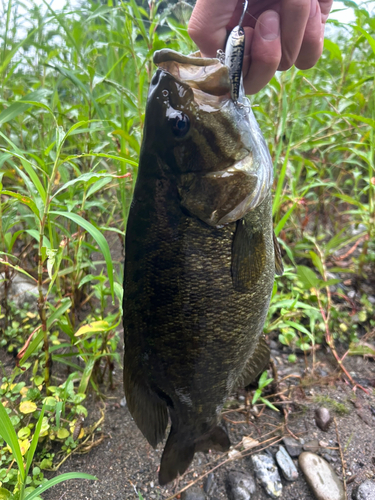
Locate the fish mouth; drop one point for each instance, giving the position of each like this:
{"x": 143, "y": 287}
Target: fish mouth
{"x": 203, "y": 74}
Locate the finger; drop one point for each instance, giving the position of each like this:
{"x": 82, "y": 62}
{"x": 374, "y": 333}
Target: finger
{"x": 325, "y": 9}
{"x": 294, "y": 16}
{"x": 312, "y": 44}
{"x": 264, "y": 56}
{"x": 208, "y": 22}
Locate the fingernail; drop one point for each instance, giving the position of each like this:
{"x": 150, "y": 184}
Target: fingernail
{"x": 313, "y": 8}
{"x": 270, "y": 25}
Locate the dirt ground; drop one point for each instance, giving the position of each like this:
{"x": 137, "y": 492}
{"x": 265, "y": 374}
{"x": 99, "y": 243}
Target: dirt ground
{"x": 126, "y": 465}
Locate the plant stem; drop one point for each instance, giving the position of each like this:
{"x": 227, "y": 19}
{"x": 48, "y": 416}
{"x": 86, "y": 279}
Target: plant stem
{"x": 42, "y": 299}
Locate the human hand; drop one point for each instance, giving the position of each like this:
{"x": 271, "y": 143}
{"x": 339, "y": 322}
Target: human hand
{"x": 278, "y": 34}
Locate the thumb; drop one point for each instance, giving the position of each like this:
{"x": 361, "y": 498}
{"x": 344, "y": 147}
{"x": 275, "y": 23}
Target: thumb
{"x": 208, "y": 24}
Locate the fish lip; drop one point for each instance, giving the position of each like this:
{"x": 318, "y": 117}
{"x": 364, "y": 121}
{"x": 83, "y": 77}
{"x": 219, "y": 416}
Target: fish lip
{"x": 207, "y": 75}
{"x": 195, "y": 58}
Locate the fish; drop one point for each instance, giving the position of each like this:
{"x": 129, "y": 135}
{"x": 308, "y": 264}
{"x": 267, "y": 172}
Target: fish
{"x": 200, "y": 259}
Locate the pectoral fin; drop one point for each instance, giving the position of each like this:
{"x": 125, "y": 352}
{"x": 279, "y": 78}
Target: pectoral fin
{"x": 279, "y": 266}
{"x": 248, "y": 256}
{"x": 255, "y": 365}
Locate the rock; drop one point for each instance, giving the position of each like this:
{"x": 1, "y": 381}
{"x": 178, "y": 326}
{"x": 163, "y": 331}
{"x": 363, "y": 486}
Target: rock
{"x": 286, "y": 465}
{"x": 193, "y": 493}
{"x": 266, "y": 471}
{"x": 209, "y": 484}
{"x": 123, "y": 402}
{"x": 312, "y": 446}
{"x": 323, "y": 419}
{"x": 293, "y": 447}
{"x": 22, "y": 289}
{"x": 365, "y": 491}
{"x": 321, "y": 477}
{"x": 240, "y": 485}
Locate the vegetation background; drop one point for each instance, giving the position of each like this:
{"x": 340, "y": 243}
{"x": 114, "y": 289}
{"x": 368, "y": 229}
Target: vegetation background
{"x": 73, "y": 91}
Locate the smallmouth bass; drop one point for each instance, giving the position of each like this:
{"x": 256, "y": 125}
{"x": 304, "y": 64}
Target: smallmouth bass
{"x": 200, "y": 258}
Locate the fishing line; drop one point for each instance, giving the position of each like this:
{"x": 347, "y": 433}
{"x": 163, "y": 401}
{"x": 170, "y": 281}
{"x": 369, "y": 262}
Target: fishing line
{"x": 144, "y": 20}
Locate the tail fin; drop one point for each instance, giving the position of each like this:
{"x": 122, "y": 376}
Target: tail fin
{"x": 178, "y": 455}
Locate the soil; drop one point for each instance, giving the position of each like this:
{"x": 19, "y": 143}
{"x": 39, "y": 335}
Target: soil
{"x": 127, "y": 466}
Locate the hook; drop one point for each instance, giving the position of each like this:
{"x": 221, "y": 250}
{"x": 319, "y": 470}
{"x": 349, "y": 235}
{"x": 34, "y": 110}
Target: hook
{"x": 243, "y": 14}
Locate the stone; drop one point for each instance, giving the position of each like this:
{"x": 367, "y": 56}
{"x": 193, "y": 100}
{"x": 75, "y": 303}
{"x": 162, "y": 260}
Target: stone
{"x": 286, "y": 464}
{"x": 209, "y": 484}
{"x": 312, "y": 446}
{"x": 293, "y": 447}
{"x": 323, "y": 419}
{"x": 193, "y": 493}
{"x": 22, "y": 289}
{"x": 240, "y": 485}
{"x": 321, "y": 477}
{"x": 266, "y": 471}
{"x": 365, "y": 491}
{"x": 274, "y": 345}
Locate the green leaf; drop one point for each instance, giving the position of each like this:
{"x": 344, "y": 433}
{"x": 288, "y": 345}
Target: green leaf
{"x": 368, "y": 37}
{"x": 82, "y": 178}
{"x": 6, "y": 494}
{"x": 59, "y": 479}
{"x": 8, "y": 433}
{"x": 86, "y": 375}
{"x": 267, "y": 403}
{"x": 18, "y": 107}
{"x": 17, "y": 268}
{"x": 51, "y": 254}
{"x": 317, "y": 262}
{"x": 63, "y": 307}
{"x": 98, "y": 237}
{"x": 333, "y": 48}
{"x": 35, "y": 234}
{"x": 256, "y": 396}
{"x": 307, "y": 277}
{"x": 28, "y": 167}
{"x": 34, "y": 442}
{"x": 32, "y": 347}
{"x": 25, "y": 200}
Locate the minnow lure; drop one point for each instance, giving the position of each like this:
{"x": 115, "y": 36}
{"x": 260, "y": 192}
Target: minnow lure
{"x": 234, "y": 54}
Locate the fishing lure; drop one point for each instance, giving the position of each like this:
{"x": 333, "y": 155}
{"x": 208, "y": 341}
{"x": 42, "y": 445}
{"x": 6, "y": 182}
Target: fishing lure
{"x": 234, "y": 54}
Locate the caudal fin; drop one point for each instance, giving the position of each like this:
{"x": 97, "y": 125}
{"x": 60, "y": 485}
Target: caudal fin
{"x": 178, "y": 455}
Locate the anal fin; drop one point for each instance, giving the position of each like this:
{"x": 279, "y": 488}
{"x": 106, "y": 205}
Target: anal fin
{"x": 248, "y": 256}
{"x": 257, "y": 362}
{"x": 217, "y": 440}
{"x": 148, "y": 410}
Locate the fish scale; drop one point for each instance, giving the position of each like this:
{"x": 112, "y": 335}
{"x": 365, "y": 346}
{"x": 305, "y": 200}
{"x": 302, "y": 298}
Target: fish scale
{"x": 196, "y": 291}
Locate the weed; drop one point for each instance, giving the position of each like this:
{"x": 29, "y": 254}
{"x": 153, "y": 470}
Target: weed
{"x": 340, "y": 408}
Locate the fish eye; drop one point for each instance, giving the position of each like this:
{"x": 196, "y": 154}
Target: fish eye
{"x": 180, "y": 124}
